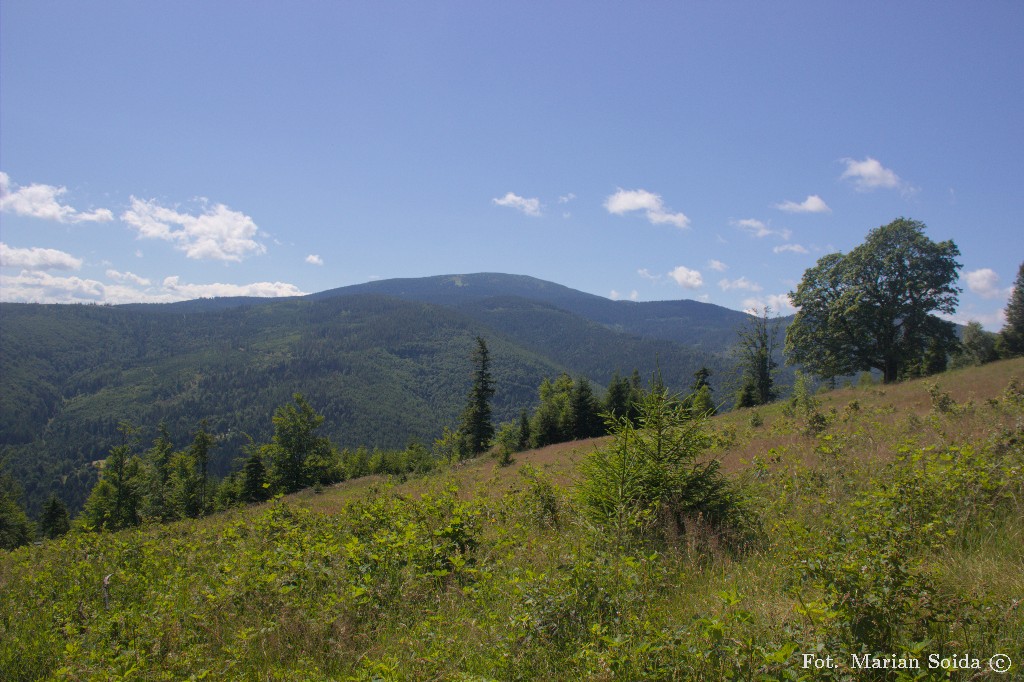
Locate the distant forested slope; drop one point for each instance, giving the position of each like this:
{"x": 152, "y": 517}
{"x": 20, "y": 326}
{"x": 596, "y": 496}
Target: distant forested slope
{"x": 384, "y": 362}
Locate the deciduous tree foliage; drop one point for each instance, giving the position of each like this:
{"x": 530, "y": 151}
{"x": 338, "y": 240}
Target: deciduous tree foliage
{"x": 757, "y": 349}
{"x": 977, "y": 346}
{"x": 873, "y": 308}
{"x": 298, "y": 456}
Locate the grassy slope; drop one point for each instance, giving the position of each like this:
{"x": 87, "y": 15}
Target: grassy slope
{"x": 469, "y": 575}
{"x": 886, "y": 410}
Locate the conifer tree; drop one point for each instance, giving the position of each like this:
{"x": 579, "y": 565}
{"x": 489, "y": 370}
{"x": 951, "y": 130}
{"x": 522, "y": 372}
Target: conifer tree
{"x": 476, "y": 427}
{"x": 15, "y": 528}
{"x": 700, "y": 400}
{"x": 524, "y": 430}
{"x": 618, "y": 397}
{"x": 586, "y": 420}
{"x": 701, "y": 404}
{"x": 655, "y": 471}
{"x": 254, "y": 478}
{"x": 158, "y": 462}
{"x": 1012, "y": 334}
{"x": 199, "y": 451}
{"x": 116, "y": 500}
{"x": 54, "y": 520}
{"x": 700, "y": 379}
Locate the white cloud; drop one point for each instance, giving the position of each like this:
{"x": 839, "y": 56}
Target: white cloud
{"x": 753, "y": 226}
{"x": 992, "y": 321}
{"x": 779, "y": 304}
{"x": 647, "y": 274}
{"x": 869, "y": 174}
{"x": 530, "y": 207}
{"x": 625, "y": 201}
{"x": 616, "y": 296}
{"x": 42, "y": 287}
{"x": 760, "y": 229}
{"x": 985, "y": 283}
{"x": 812, "y": 204}
{"x": 687, "y": 278}
{"x": 717, "y": 265}
{"x": 35, "y": 258}
{"x": 260, "y": 289}
{"x": 130, "y": 277}
{"x": 566, "y": 198}
{"x": 314, "y": 259}
{"x": 41, "y": 201}
{"x": 742, "y": 284}
{"x": 218, "y": 234}
{"x": 794, "y": 248}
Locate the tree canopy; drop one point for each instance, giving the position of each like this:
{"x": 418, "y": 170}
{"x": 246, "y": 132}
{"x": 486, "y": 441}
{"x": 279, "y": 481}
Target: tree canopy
{"x": 873, "y": 307}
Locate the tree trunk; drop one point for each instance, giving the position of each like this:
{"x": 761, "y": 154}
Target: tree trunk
{"x": 890, "y": 371}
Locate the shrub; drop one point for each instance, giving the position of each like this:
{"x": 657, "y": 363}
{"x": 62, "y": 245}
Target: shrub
{"x": 540, "y": 499}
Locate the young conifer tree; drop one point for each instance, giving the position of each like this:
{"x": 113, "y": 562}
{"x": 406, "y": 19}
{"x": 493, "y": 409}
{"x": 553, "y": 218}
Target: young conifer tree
{"x": 476, "y": 427}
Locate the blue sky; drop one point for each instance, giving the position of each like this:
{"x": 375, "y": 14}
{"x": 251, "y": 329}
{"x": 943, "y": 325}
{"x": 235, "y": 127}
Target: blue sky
{"x": 713, "y": 151}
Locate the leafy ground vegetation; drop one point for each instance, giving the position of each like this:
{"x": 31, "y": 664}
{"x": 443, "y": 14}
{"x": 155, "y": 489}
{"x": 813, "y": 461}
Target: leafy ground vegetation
{"x": 882, "y": 522}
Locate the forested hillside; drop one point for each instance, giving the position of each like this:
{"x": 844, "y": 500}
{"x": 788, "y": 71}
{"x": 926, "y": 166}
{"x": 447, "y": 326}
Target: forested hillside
{"x": 384, "y": 363}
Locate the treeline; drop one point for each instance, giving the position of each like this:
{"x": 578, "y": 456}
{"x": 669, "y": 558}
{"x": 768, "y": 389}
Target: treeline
{"x": 569, "y": 409}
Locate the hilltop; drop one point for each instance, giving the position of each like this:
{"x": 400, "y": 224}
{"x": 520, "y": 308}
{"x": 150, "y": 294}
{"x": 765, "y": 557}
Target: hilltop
{"x": 886, "y": 520}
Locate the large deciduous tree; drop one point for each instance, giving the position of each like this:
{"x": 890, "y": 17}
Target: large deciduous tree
{"x": 873, "y": 307}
